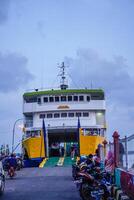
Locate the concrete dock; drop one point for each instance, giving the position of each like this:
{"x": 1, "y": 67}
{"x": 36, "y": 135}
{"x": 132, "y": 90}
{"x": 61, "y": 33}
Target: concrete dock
{"x": 50, "y": 183}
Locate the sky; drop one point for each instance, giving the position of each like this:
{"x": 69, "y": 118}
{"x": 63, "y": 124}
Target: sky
{"x": 93, "y": 37}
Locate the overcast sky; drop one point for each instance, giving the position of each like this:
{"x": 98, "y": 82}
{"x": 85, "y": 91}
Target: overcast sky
{"x": 93, "y": 37}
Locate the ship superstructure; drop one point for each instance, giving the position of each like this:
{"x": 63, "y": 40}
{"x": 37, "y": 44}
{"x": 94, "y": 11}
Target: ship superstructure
{"x": 60, "y": 109}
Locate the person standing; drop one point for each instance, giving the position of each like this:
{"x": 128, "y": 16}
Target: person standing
{"x": 72, "y": 152}
{"x": 62, "y": 151}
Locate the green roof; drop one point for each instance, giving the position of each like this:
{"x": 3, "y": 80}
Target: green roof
{"x": 68, "y": 91}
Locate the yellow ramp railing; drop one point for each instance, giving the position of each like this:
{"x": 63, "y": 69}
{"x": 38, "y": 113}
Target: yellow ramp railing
{"x": 43, "y": 163}
{"x": 60, "y": 161}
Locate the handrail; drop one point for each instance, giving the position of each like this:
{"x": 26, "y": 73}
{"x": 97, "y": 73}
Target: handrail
{"x": 129, "y": 138}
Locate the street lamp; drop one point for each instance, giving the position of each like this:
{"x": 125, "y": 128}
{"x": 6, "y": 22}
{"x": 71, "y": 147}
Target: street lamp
{"x": 14, "y": 133}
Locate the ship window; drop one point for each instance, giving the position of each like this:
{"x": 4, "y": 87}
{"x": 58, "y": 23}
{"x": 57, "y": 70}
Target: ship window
{"x": 88, "y": 98}
{"x": 42, "y": 116}
{"x": 78, "y": 114}
{"x": 49, "y": 115}
{"x": 39, "y": 100}
{"x": 31, "y": 100}
{"x": 45, "y": 99}
{"x": 85, "y": 114}
{"x": 70, "y": 114}
{"x": 69, "y": 98}
{"x": 51, "y": 99}
{"x": 56, "y": 99}
{"x": 81, "y": 98}
{"x": 63, "y": 98}
{"x": 96, "y": 97}
{"x": 75, "y": 98}
{"x": 56, "y": 115}
{"x": 63, "y": 114}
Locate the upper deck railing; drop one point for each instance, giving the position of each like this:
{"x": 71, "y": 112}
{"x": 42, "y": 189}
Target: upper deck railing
{"x": 58, "y": 88}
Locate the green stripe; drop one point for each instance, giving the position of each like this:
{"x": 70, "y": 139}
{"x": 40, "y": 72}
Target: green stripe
{"x": 68, "y": 161}
{"x": 51, "y": 162}
{"x": 71, "y": 91}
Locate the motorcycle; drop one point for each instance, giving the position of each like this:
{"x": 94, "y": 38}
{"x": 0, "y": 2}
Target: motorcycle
{"x": 76, "y": 168}
{"x": 94, "y": 186}
{"x": 2, "y": 179}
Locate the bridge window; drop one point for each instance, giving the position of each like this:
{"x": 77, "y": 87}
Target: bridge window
{"x": 31, "y": 100}
{"x": 51, "y": 99}
{"x": 85, "y": 114}
{"x": 70, "y": 114}
{"x": 81, "y": 98}
{"x": 96, "y": 97}
{"x": 57, "y": 99}
{"x": 39, "y": 100}
{"x": 75, "y": 98}
{"x": 78, "y": 114}
{"x": 56, "y": 115}
{"x": 63, "y": 98}
{"x": 49, "y": 115}
{"x": 88, "y": 98}
{"x": 69, "y": 98}
{"x": 45, "y": 99}
{"x": 42, "y": 116}
{"x": 63, "y": 114}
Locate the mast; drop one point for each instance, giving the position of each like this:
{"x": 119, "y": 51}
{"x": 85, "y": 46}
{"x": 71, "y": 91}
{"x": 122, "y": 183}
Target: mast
{"x": 63, "y": 84}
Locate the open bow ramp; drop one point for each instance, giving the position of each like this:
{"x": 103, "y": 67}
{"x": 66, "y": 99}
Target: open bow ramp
{"x": 57, "y": 161}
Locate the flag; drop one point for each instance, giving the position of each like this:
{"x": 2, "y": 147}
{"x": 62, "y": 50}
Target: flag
{"x": 44, "y": 136}
{"x": 78, "y": 135}
{"x": 109, "y": 162}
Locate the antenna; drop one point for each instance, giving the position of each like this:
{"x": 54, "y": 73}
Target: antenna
{"x": 91, "y": 85}
{"x": 62, "y": 74}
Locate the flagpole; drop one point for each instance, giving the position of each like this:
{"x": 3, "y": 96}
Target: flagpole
{"x": 78, "y": 135}
{"x": 47, "y": 150}
{"x": 44, "y": 136}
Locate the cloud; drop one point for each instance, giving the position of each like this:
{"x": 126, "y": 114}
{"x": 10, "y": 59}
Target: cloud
{"x": 4, "y": 7}
{"x": 112, "y": 76}
{"x": 13, "y": 72}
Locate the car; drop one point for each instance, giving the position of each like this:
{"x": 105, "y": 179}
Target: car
{"x": 2, "y": 179}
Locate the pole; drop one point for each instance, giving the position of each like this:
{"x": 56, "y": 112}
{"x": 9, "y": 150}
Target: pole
{"x": 14, "y": 133}
{"x": 47, "y": 152}
{"x": 116, "y": 149}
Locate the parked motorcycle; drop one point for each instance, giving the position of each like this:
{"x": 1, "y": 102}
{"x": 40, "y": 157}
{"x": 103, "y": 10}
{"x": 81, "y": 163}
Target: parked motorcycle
{"x": 93, "y": 183}
{"x": 76, "y": 168}
{"x": 2, "y": 179}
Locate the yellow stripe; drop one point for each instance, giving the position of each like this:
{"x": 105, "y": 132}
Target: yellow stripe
{"x": 43, "y": 163}
{"x": 60, "y": 161}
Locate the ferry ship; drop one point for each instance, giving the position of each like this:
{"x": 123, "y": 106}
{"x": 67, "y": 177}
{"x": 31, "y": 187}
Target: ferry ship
{"x": 60, "y": 109}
